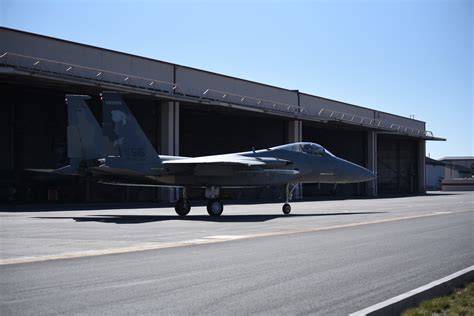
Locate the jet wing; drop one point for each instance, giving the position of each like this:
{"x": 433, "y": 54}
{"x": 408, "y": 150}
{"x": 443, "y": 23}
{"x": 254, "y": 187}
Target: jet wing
{"x": 67, "y": 170}
{"x": 271, "y": 171}
{"x": 230, "y": 160}
{"x": 129, "y": 184}
{"x": 41, "y": 170}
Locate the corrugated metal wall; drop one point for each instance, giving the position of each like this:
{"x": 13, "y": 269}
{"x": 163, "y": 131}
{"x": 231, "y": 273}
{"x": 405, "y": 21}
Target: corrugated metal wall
{"x": 397, "y": 164}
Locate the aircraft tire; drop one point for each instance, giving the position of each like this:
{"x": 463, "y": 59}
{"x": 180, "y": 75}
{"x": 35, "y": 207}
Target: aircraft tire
{"x": 182, "y": 207}
{"x": 215, "y": 208}
{"x": 286, "y": 208}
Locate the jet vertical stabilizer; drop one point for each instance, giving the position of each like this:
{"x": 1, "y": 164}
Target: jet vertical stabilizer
{"x": 84, "y": 135}
{"x": 124, "y": 138}
{"x": 84, "y": 138}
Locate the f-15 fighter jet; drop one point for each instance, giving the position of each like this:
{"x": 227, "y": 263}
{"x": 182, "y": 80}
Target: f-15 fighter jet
{"x": 121, "y": 153}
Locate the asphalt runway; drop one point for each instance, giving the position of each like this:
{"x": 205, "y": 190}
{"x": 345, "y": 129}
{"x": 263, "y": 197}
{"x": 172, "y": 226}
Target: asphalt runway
{"x": 329, "y": 257}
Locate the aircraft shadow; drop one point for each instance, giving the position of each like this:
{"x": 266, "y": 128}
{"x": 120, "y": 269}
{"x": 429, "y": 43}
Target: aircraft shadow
{"x": 141, "y": 219}
{"x": 53, "y": 207}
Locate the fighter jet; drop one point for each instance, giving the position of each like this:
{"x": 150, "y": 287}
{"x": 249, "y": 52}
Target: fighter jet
{"x": 121, "y": 154}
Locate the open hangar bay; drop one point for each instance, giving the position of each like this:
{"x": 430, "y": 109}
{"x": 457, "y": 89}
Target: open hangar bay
{"x": 183, "y": 111}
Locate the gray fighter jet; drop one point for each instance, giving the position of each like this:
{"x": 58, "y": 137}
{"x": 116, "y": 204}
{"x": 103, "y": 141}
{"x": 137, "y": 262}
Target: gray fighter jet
{"x": 121, "y": 154}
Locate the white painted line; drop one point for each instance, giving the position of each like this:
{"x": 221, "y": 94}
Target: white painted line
{"x": 408, "y": 294}
{"x": 93, "y": 253}
{"x": 227, "y": 237}
{"x": 202, "y": 241}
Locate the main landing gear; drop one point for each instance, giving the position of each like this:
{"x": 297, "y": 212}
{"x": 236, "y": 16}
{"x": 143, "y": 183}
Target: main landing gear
{"x": 290, "y": 187}
{"x": 183, "y": 206}
{"x": 214, "y": 206}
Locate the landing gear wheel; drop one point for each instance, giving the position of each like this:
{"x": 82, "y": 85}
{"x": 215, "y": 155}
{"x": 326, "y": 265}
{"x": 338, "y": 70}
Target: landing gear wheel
{"x": 182, "y": 207}
{"x": 215, "y": 208}
{"x": 286, "y": 208}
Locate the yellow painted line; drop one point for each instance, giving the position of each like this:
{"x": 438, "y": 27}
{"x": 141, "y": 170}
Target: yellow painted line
{"x": 208, "y": 240}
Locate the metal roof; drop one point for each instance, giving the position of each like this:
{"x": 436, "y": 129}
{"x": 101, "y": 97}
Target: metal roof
{"x": 172, "y": 88}
{"x": 457, "y": 158}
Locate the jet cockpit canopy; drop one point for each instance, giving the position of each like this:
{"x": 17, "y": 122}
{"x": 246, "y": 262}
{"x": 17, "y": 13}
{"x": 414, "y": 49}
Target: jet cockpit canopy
{"x": 306, "y": 147}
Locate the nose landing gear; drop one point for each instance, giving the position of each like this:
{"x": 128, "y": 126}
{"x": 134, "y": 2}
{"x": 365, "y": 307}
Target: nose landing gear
{"x": 286, "y": 208}
{"x": 290, "y": 187}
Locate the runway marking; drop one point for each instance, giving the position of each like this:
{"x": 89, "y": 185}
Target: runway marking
{"x": 227, "y": 237}
{"x": 208, "y": 240}
{"x": 381, "y": 221}
{"x": 404, "y": 299}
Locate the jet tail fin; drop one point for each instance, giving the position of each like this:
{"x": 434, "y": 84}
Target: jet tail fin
{"x": 124, "y": 138}
{"x": 84, "y": 135}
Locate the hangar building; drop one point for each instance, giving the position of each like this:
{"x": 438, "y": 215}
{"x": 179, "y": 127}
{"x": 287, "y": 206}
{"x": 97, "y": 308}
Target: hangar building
{"x": 184, "y": 111}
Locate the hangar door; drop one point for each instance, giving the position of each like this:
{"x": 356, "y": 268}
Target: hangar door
{"x": 397, "y": 165}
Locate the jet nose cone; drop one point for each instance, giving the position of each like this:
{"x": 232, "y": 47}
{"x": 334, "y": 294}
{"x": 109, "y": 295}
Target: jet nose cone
{"x": 366, "y": 175}
{"x": 352, "y": 173}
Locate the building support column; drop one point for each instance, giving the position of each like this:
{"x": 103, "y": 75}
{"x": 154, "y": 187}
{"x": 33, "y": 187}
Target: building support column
{"x": 422, "y": 166}
{"x": 169, "y": 141}
{"x": 295, "y": 134}
{"x": 372, "y": 162}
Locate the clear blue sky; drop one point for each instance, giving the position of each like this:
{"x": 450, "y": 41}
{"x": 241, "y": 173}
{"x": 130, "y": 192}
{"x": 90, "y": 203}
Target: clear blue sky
{"x": 404, "y": 57}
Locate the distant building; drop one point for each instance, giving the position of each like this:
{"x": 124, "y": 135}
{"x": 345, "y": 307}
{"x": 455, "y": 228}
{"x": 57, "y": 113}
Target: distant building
{"x": 435, "y": 173}
{"x": 450, "y": 174}
{"x": 458, "y": 174}
{"x": 458, "y": 167}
